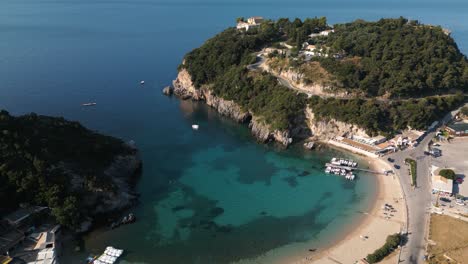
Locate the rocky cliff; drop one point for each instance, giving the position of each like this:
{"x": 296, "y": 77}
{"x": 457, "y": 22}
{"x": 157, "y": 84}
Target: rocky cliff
{"x": 314, "y": 128}
{"x": 116, "y": 194}
{"x": 326, "y": 129}
{"x": 184, "y": 88}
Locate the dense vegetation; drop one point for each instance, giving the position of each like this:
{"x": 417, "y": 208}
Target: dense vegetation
{"x": 392, "y": 57}
{"x": 392, "y": 242}
{"x": 377, "y": 116}
{"x": 448, "y": 174}
{"x": 279, "y": 106}
{"x": 38, "y": 155}
{"x": 222, "y": 62}
{"x": 413, "y": 170}
{"x": 464, "y": 111}
{"x": 396, "y": 57}
{"x": 228, "y": 49}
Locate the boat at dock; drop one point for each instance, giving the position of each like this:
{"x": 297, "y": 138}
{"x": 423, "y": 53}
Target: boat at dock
{"x": 195, "y": 127}
{"x": 341, "y": 167}
{"x": 109, "y": 256}
{"x": 344, "y": 162}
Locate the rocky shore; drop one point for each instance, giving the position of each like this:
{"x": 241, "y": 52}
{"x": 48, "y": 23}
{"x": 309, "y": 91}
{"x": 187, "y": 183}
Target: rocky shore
{"x": 184, "y": 88}
{"x": 116, "y": 195}
{"x": 313, "y": 129}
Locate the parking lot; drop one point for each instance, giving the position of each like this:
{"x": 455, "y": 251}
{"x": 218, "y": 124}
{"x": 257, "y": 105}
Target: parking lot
{"x": 455, "y": 155}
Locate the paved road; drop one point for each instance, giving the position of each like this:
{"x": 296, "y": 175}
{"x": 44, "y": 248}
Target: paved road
{"x": 418, "y": 200}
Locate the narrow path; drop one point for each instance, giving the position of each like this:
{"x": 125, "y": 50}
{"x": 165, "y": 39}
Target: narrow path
{"x": 285, "y": 82}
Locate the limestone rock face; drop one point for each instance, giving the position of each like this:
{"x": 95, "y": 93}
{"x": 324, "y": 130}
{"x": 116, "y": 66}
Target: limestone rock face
{"x": 225, "y": 107}
{"x": 327, "y": 129}
{"x": 317, "y": 129}
{"x": 183, "y": 87}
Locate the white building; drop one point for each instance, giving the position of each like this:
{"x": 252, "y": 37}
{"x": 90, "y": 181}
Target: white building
{"x": 439, "y": 183}
{"x": 251, "y": 22}
{"x": 370, "y": 140}
{"x": 322, "y": 33}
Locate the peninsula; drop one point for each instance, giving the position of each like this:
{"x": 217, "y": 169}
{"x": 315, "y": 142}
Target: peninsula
{"x": 77, "y": 173}
{"x": 387, "y": 90}
{"x": 293, "y": 80}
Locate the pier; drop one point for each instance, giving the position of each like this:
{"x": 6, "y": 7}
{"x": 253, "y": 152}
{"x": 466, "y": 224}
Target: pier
{"x": 353, "y": 168}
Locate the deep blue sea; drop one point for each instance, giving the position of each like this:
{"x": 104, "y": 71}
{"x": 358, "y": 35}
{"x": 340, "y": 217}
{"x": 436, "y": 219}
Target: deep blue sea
{"x": 207, "y": 196}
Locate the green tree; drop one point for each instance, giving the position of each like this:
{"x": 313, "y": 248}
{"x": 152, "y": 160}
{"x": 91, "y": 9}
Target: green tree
{"x": 448, "y": 174}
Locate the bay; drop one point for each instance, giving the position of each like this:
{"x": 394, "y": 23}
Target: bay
{"x": 207, "y": 196}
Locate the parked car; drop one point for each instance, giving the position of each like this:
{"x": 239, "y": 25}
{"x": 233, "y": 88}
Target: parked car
{"x": 390, "y": 160}
{"x": 397, "y": 166}
{"x": 443, "y": 199}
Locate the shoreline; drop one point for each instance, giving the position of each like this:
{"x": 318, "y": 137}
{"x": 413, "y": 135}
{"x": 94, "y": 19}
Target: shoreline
{"x": 352, "y": 247}
{"x": 348, "y": 246}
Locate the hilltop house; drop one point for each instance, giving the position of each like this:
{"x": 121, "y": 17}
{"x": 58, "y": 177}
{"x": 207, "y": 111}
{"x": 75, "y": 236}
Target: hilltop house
{"x": 251, "y": 22}
{"x": 321, "y": 33}
{"x": 314, "y": 51}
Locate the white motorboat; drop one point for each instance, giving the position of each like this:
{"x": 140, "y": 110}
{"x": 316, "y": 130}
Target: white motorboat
{"x": 195, "y": 127}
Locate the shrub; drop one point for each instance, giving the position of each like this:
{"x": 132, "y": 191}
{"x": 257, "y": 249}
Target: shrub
{"x": 448, "y": 174}
{"x": 391, "y": 243}
{"x": 413, "y": 168}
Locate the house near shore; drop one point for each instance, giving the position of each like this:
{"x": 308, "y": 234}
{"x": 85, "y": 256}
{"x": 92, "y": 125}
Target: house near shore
{"x": 250, "y": 23}
{"x": 10, "y": 237}
{"x": 440, "y": 183}
{"x": 407, "y": 138}
{"x": 46, "y": 246}
{"x": 370, "y": 140}
{"x": 459, "y": 129}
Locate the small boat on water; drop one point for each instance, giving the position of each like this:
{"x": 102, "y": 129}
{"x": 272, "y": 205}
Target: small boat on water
{"x": 195, "y": 127}
{"x": 128, "y": 219}
{"x": 89, "y": 104}
{"x": 142, "y": 82}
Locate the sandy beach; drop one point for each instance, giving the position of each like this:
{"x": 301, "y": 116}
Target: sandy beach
{"x": 372, "y": 232}
{"x": 363, "y": 238}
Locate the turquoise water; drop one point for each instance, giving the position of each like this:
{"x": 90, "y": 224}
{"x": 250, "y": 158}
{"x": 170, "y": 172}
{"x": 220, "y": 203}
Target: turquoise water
{"x": 207, "y": 196}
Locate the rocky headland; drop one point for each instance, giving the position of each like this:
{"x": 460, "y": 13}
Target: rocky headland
{"x": 314, "y": 129}
{"x": 185, "y": 89}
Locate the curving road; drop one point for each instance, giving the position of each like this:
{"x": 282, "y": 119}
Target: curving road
{"x": 418, "y": 200}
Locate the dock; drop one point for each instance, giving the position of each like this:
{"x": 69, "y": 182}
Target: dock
{"x": 353, "y": 168}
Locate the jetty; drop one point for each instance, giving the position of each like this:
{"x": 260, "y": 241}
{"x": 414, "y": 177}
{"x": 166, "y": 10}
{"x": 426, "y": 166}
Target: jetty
{"x": 353, "y": 168}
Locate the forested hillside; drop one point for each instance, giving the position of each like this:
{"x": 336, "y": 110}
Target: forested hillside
{"x": 391, "y": 64}
{"x": 39, "y": 155}
{"x": 397, "y": 57}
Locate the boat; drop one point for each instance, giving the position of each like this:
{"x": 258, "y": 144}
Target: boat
{"x": 343, "y": 162}
{"x": 195, "y": 127}
{"x": 142, "y": 82}
{"x": 89, "y": 104}
{"x": 109, "y": 256}
{"x": 328, "y": 170}
{"x": 128, "y": 219}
